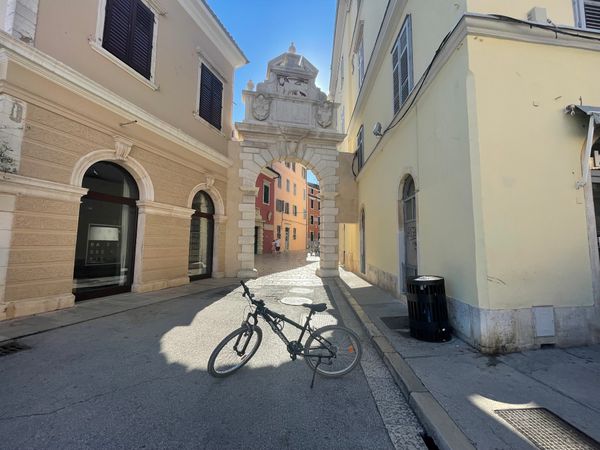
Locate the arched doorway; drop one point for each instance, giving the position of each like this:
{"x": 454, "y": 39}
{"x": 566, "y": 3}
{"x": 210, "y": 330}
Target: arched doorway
{"x": 409, "y": 209}
{"x": 106, "y": 233}
{"x": 363, "y": 248}
{"x": 202, "y": 231}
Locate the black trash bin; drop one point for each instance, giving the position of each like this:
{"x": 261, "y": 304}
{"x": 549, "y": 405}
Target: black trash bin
{"x": 427, "y": 309}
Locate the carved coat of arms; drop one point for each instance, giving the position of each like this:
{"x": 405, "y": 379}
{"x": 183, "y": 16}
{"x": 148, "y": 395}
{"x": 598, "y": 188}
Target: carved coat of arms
{"x": 261, "y": 107}
{"x": 325, "y": 114}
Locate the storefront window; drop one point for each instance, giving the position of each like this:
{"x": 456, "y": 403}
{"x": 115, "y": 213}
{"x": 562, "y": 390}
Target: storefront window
{"x": 104, "y": 253}
{"x": 201, "y": 237}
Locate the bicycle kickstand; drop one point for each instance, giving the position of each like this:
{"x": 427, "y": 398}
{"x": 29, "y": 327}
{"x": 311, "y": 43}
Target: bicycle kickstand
{"x": 312, "y": 383}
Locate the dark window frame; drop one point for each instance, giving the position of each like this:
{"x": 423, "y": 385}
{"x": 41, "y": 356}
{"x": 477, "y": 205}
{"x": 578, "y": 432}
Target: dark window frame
{"x": 210, "y": 101}
{"x": 129, "y": 33}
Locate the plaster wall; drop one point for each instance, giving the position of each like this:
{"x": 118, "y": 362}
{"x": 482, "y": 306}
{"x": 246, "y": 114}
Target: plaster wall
{"x": 534, "y": 220}
{"x": 561, "y": 12}
{"x": 180, "y": 46}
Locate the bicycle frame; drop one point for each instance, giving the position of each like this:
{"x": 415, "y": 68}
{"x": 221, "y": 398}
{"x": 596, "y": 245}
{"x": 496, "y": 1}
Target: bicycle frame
{"x": 271, "y": 318}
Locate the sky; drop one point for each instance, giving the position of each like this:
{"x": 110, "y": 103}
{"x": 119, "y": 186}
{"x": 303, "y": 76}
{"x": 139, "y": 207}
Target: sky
{"x": 264, "y": 29}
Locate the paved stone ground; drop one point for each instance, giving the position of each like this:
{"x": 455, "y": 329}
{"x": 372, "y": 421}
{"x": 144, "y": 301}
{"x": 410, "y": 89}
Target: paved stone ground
{"x": 138, "y": 379}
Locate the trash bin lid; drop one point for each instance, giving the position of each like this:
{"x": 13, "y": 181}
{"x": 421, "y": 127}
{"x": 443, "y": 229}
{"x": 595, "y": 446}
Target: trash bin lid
{"x": 427, "y": 278}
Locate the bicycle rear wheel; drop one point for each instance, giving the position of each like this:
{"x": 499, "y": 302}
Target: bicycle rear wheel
{"x": 234, "y": 351}
{"x": 338, "y": 349}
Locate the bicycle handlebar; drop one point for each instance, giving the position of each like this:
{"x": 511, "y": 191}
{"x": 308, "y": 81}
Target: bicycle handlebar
{"x": 246, "y": 290}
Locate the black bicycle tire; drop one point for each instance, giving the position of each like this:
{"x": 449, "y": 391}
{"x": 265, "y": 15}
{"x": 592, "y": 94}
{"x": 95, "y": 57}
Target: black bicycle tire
{"x": 224, "y": 341}
{"x": 311, "y": 360}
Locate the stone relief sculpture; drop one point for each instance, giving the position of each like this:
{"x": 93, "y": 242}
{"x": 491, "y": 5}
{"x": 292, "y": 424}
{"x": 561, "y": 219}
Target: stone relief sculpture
{"x": 261, "y": 107}
{"x": 297, "y": 87}
{"x": 325, "y": 114}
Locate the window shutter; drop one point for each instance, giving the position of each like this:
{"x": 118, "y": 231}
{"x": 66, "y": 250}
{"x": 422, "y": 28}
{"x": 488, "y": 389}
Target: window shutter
{"x": 117, "y": 27}
{"x": 141, "y": 39}
{"x": 591, "y": 9}
{"x": 403, "y": 65}
{"x": 396, "y": 77}
{"x": 211, "y": 97}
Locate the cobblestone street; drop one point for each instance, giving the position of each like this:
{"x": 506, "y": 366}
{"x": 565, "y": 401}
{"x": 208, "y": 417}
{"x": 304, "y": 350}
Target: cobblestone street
{"x": 138, "y": 379}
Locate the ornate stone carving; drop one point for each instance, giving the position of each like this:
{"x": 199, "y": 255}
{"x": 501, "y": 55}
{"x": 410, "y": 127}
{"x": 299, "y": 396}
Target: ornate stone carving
{"x": 292, "y": 86}
{"x": 325, "y": 114}
{"x": 122, "y": 148}
{"x": 210, "y": 181}
{"x": 261, "y": 107}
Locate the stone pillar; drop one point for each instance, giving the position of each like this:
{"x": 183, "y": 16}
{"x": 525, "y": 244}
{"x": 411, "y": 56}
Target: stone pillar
{"x": 328, "y": 266}
{"x": 246, "y": 226}
{"x": 218, "y": 245}
{"x": 19, "y": 18}
{"x": 7, "y": 208}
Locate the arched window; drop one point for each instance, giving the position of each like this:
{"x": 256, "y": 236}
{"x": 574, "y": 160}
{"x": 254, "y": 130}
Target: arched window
{"x": 201, "y": 237}
{"x": 409, "y": 203}
{"x": 105, "y": 248}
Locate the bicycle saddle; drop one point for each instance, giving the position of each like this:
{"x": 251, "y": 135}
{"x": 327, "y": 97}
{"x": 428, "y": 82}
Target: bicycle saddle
{"x": 319, "y": 307}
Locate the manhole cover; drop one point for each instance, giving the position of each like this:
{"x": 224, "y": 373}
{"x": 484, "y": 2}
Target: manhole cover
{"x": 11, "y": 347}
{"x": 303, "y": 291}
{"x": 396, "y": 322}
{"x": 546, "y": 430}
{"x": 295, "y": 301}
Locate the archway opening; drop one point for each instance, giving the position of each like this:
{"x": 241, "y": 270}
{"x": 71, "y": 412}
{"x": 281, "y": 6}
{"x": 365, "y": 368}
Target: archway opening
{"x": 106, "y": 233}
{"x": 287, "y": 215}
{"x": 202, "y": 230}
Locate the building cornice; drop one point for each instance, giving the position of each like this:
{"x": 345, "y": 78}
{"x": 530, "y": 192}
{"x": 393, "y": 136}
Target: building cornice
{"x": 210, "y": 24}
{"x": 11, "y": 50}
{"x": 471, "y": 24}
{"x": 250, "y": 131}
{"x": 162, "y": 209}
{"x": 33, "y": 187}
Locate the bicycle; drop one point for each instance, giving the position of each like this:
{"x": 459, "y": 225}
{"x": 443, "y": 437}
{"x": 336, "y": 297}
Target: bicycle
{"x": 331, "y": 351}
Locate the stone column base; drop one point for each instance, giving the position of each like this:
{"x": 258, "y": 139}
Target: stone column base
{"x": 327, "y": 273}
{"x": 247, "y": 273}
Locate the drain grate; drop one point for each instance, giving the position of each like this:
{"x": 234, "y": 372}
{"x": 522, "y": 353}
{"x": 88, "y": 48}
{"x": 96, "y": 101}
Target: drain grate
{"x": 546, "y": 430}
{"x": 396, "y": 322}
{"x": 12, "y": 347}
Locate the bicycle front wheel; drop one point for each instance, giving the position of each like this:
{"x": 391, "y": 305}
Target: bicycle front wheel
{"x": 332, "y": 351}
{"x": 234, "y": 351}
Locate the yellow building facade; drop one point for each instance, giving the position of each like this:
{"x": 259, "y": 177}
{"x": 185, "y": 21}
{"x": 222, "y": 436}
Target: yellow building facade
{"x": 290, "y": 206}
{"x": 466, "y": 163}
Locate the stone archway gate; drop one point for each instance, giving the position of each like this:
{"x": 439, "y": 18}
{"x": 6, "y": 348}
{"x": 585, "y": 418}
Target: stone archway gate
{"x": 289, "y": 119}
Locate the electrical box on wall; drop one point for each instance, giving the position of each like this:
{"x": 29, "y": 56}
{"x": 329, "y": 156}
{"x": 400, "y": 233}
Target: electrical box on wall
{"x": 538, "y": 14}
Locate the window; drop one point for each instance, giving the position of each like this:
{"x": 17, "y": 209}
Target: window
{"x": 304, "y": 213}
{"x": 294, "y": 188}
{"x": 288, "y": 165}
{"x": 279, "y": 205}
{"x": 319, "y": 206}
{"x": 278, "y": 231}
{"x": 287, "y": 208}
{"x": 318, "y": 220}
{"x": 129, "y": 34}
{"x": 294, "y": 210}
{"x": 402, "y": 65}
{"x": 587, "y": 14}
{"x": 266, "y": 193}
{"x": 360, "y": 55}
{"x": 304, "y": 173}
{"x": 211, "y": 97}
{"x": 287, "y": 185}
{"x": 294, "y": 167}
{"x": 294, "y": 234}
{"x": 341, "y": 74}
{"x": 303, "y": 194}
{"x": 360, "y": 147}
{"x": 312, "y": 236}
{"x": 312, "y": 220}
{"x": 279, "y": 182}
{"x": 312, "y": 203}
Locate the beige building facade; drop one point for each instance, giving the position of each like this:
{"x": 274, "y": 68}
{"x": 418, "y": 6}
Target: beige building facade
{"x": 466, "y": 163}
{"x": 115, "y": 148}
